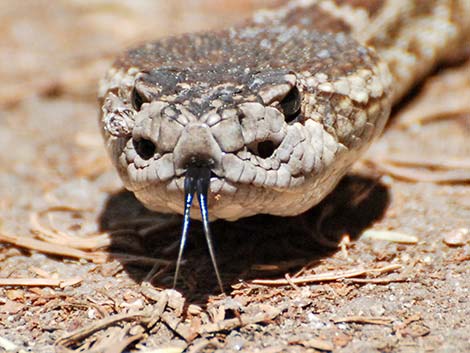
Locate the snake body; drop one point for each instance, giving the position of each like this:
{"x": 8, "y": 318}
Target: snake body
{"x": 278, "y": 107}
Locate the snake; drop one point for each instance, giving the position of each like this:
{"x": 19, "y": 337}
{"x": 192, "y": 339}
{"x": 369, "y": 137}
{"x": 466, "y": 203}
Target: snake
{"x": 267, "y": 116}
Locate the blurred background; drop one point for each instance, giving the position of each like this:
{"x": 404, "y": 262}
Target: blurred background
{"x": 66, "y": 45}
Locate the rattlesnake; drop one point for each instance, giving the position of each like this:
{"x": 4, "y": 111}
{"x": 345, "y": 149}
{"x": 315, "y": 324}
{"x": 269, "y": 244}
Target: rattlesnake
{"x": 267, "y": 116}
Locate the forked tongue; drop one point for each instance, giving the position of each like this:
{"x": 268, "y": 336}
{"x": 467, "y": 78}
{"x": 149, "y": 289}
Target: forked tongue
{"x": 197, "y": 182}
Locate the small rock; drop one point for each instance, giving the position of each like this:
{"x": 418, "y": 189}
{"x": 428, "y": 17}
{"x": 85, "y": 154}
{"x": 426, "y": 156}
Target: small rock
{"x": 457, "y": 237}
{"x": 91, "y": 313}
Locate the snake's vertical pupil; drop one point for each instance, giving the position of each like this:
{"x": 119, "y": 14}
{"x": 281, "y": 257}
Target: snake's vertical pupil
{"x": 137, "y": 99}
{"x": 291, "y": 104}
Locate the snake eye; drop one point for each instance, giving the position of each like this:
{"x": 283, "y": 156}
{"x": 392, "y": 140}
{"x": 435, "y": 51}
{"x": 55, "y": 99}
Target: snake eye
{"x": 137, "y": 99}
{"x": 290, "y": 105}
{"x": 144, "y": 148}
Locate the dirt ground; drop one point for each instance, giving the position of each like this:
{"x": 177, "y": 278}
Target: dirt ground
{"x": 382, "y": 265}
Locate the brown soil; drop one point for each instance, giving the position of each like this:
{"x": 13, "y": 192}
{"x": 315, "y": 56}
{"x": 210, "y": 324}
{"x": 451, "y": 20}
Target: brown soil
{"x": 84, "y": 267}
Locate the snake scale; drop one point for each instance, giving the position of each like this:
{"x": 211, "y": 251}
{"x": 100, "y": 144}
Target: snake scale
{"x": 267, "y": 116}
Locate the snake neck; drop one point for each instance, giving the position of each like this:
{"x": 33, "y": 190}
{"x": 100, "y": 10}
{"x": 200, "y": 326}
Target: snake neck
{"x": 410, "y": 36}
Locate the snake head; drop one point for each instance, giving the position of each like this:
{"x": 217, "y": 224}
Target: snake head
{"x": 277, "y": 117}
{"x": 250, "y": 121}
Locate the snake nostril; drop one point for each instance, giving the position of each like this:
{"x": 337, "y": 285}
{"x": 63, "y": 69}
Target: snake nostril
{"x": 144, "y": 148}
{"x": 263, "y": 149}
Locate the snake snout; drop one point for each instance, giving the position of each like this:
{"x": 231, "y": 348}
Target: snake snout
{"x": 197, "y": 146}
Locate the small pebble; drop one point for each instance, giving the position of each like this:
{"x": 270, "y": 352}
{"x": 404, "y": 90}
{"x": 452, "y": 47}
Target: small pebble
{"x": 457, "y": 237}
{"x": 91, "y": 313}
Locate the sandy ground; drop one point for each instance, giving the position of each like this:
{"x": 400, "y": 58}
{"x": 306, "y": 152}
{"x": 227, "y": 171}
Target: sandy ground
{"x": 382, "y": 265}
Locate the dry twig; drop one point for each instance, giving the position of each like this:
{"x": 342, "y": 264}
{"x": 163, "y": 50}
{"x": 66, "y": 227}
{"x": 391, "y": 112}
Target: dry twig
{"x": 54, "y": 249}
{"x": 419, "y": 175}
{"x": 364, "y": 320}
{"x": 39, "y": 282}
{"x": 326, "y": 277}
{"x": 84, "y": 332}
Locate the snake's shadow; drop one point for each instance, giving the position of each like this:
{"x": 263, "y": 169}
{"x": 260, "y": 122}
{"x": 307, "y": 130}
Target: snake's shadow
{"x": 257, "y": 247}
